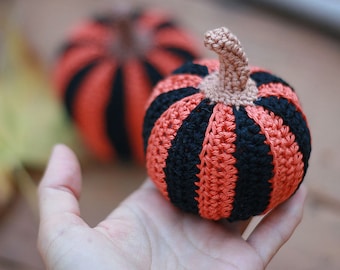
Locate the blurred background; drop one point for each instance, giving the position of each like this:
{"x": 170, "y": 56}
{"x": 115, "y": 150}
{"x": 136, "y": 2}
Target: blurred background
{"x": 299, "y": 40}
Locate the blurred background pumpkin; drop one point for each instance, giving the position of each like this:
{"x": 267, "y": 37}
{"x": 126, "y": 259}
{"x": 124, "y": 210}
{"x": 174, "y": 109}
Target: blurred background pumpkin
{"x": 106, "y": 69}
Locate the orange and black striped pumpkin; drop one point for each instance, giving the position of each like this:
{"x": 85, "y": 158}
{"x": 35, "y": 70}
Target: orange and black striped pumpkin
{"x": 225, "y": 140}
{"x": 106, "y": 70}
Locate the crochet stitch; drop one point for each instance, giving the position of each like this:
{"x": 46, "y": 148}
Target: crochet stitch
{"x": 105, "y": 72}
{"x": 217, "y": 149}
{"x": 231, "y": 84}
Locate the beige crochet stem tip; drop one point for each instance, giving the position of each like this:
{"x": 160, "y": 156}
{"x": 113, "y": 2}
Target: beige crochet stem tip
{"x": 231, "y": 84}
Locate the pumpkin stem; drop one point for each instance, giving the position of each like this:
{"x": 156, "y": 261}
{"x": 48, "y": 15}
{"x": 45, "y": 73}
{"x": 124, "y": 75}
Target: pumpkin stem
{"x": 232, "y": 85}
{"x": 125, "y": 32}
{"x": 129, "y": 41}
{"x": 234, "y": 70}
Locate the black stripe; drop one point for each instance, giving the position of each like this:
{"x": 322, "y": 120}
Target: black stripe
{"x": 73, "y": 86}
{"x": 66, "y": 47}
{"x": 160, "y": 105}
{"x": 185, "y": 54}
{"x": 116, "y": 117}
{"x": 191, "y": 68}
{"x": 255, "y": 168}
{"x": 153, "y": 74}
{"x": 183, "y": 158}
{"x": 294, "y": 119}
{"x": 137, "y": 13}
{"x": 164, "y": 25}
{"x": 262, "y": 77}
{"x": 105, "y": 20}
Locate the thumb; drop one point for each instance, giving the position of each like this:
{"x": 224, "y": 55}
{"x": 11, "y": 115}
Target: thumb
{"x": 58, "y": 193}
{"x": 60, "y": 187}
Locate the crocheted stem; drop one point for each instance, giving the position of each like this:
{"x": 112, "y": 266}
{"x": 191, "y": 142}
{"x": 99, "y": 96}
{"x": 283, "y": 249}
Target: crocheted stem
{"x": 125, "y": 33}
{"x": 232, "y": 85}
{"x": 128, "y": 41}
{"x": 234, "y": 71}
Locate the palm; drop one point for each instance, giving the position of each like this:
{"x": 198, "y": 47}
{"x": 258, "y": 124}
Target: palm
{"x": 176, "y": 240}
{"x": 146, "y": 232}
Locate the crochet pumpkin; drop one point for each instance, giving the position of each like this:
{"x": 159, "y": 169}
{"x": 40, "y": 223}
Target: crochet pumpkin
{"x": 225, "y": 140}
{"x": 106, "y": 71}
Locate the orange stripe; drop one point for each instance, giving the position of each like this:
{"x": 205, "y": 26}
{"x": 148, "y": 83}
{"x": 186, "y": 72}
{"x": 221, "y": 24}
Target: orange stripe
{"x": 173, "y": 82}
{"x": 162, "y": 134}
{"x": 288, "y": 164}
{"x": 165, "y": 62}
{"x": 152, "y": 18}
{"x": 90, "y": 108}
{"x": 98, "y": 38}
{"x": 71, "y": 63}
{"x": 92, "y": 32}
{"x": 137, "y": 90}
{"x": 171, "y": 37}
{"x": 280, "y": 90}
{"x": 218, "y": 174}
{"x": 254, "y": 69}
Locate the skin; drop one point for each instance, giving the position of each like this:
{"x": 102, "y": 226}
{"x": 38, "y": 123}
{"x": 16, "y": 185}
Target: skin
{"x": 147, "y": 232}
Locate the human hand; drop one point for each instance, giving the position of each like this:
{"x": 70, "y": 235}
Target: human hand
{"x": 147, "y": 232}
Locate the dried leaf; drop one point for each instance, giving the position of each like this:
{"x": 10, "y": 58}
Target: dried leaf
{"x": 7, "y": 190}
{"x": 31, "y": 118}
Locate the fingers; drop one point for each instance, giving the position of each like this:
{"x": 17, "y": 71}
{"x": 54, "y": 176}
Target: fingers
{"x": 278, "y": 226}
{"x": 60, "y": 187}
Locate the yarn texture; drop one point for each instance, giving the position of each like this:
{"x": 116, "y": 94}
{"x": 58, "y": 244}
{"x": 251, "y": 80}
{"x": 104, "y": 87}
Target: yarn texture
{"x": 105, "y": 72}
{"x": 225, "y": 140}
